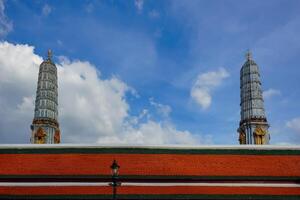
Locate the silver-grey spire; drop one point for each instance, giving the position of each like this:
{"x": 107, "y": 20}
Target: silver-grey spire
{"x": 253, "y": 127}
{"x": 45, "y": 127}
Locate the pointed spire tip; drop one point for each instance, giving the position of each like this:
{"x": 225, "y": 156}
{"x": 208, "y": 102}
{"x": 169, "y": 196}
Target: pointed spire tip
{"x": 249, "y": 55}
{"x": 49, "y": 54}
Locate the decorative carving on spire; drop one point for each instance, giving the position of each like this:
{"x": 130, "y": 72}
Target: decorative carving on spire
{"x": 40, "y": 136}
{"x": 57, "y": 137}
{"x": 260, "y": 135}
{"x": 242, "y": 138}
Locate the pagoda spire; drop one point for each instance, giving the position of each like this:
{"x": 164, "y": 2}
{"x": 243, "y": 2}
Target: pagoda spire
{"x": 45, "y": 127}
{"x": 253, "y": 128}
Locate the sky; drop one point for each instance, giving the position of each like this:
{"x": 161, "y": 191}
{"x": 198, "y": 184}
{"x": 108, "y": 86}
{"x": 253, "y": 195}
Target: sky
{"x": 150, "y": 72}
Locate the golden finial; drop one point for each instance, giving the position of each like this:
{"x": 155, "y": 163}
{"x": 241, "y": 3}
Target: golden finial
{"x": 49, "y": 54}
{"x": 249, "y": 55}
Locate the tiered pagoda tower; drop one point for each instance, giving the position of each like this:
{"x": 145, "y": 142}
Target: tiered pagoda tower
{"x": 45, "y": 127}
{"x": 254, "y": 126}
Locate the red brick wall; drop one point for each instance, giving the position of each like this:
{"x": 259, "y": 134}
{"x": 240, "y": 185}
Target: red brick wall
{"x": 273, "y": 173}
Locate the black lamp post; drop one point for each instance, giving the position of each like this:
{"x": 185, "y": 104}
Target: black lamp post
{"x": 115, "y": 176}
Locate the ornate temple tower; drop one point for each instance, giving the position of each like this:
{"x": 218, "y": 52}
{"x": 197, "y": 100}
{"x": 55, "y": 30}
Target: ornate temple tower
{"x": 45, "y": 128}
{"x": 254, "y": 126}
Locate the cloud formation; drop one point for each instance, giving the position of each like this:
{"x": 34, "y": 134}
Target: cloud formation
{"x": 6, "y": 25}
{"x": 46, "y": 10}
{"x": 205, "y": 84}
{"x": 294, "y": 124}
{"x": 139, "y": 4}
{"x": 91, "y": 109}
{"x": 89, "y": 7}
{"x": 267, "y": 94}
{"x": 163, "y": 110}
{"x": 154, "y": 14}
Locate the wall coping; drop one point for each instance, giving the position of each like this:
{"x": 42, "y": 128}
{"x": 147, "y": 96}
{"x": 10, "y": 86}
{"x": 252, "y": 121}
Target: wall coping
{"x": 176, "y": 147}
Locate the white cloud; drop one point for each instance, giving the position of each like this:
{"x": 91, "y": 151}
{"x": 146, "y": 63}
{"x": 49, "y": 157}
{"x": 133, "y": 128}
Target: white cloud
{"x": 152, "y": 133}
{"x": 202, "y": 97}
{"x": 6, "y": 25}
{"x": 59, "y": 42}
{"x": 284, "y": 143}
{"x": 139, "y": 4}
{"x": 91, "y": 109}
{"x": 46, "y": 10}
{"x": 89, "y": 7}
{"x": 98, "y": 107}
{"x": 205, "y": 83}
{"x": 136, "y": 120}
{"x": 163, "y": 110}
{"x": 154, "y": 14}
{"x": 27, "y": 104}
{"x": 270, "y": 93}
{"x": 294, "y": 124}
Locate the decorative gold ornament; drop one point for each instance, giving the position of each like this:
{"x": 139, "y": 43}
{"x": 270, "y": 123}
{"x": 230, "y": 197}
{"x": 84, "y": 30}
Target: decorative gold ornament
{"x": 259, "y": 135}
{"x": 57, "y": 137}
{"x": 242, "y": 138}
{"x": 40, "y": 136}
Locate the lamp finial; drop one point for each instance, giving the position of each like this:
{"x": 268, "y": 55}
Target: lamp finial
{"x": 49, "y": 54}
{"x": 249, "y": 55}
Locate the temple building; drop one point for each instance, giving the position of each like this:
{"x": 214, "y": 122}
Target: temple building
{"x": 253, "y": 128}
{"x": 134, "y": 172}
{"x": 45, "y": 127}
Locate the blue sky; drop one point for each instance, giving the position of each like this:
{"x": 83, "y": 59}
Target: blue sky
{"x": 159, "y": 49}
